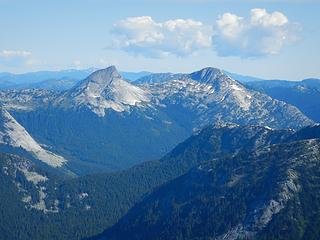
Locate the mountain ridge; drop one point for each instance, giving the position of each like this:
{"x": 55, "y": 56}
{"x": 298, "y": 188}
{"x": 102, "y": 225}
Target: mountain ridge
{"x": 14, "y": 135}
{"x": 90, "y": 204}
{"x": 107, "y": 123}
{"x": 194, "y": 205}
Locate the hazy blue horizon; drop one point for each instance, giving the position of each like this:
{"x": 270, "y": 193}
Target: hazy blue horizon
{"x": 149, "y": 72}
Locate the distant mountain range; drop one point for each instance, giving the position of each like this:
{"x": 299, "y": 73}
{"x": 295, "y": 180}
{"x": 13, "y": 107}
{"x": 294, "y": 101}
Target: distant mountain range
{"x": 302, "y": 94}
{"x": 54, "y": 80}
{"x": 26, "y": 80}
{"x": 305, "y": 94}
{"x": 106, "y": 123}
{"x": 65, "y": 79}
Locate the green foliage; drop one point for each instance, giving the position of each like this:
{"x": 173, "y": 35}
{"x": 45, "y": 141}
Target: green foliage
{"x": 235, "y": 184}
{"x": 217, "y": 196}
{"x": 96, "y": 144}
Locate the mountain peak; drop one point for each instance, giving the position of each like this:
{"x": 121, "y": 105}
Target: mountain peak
{"x": 207, "y": 74}
{"x": 106, "y": 89}
{"x": 104, "y": 75}
{"x": 210, "y": 70}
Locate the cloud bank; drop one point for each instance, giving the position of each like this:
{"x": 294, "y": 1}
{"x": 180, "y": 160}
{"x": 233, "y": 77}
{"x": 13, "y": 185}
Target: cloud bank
{"x": 260, "y": 34}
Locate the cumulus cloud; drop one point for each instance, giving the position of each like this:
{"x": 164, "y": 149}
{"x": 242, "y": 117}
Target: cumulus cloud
{"x": 260, "y": 34}
{"x": 144, "y": 36}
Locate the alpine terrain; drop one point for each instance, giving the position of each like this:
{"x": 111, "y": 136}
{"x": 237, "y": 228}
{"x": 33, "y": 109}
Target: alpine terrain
{"x": 164, "y": 156}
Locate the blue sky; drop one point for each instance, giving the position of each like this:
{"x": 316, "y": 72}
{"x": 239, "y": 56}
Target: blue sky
{"x": 268, "y": 39}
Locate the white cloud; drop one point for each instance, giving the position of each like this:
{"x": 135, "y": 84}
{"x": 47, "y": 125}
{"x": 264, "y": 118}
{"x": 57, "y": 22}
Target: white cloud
{"x": 261, "y": 34}
{"x": 12, "y": 53}
{"x": 230, "y": 25}
{"x": 260, "y": 16}
{"x": 14, "y": 58}
{"x": 144, "y": 36}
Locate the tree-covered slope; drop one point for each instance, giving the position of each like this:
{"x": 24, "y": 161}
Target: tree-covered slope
{"x": 270, "y": 193}
{"x": 90, "y": 204}
{"x": 95, "y": 144}
{"x": 110, "y": 196}
{"x": 27, "y": 203}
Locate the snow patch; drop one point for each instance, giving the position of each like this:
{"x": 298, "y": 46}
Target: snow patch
{"x": 242, "y": 96}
